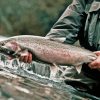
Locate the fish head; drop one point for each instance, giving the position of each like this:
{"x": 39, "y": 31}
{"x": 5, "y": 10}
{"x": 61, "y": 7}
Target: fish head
{"x": 13, "y": 49}
{"x": 11, "y": 45}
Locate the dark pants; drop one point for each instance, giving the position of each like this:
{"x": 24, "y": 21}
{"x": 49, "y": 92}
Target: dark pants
{"x": 95, "y": 75}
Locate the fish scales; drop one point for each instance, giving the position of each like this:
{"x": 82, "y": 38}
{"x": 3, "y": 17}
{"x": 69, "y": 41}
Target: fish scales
{"x": 54, "y": 52}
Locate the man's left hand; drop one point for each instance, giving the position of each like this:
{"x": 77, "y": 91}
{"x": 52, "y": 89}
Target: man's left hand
{"x": 96, "y": 63}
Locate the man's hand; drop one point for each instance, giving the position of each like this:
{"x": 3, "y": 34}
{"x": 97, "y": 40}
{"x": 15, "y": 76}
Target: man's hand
{"x": 26, "y": 57}
{"x": 96, "y": 63}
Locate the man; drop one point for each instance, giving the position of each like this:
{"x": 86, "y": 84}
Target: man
{"x": 80, "y": 21}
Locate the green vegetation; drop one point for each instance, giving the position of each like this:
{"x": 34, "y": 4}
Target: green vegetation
{"x": 29, "y": 16}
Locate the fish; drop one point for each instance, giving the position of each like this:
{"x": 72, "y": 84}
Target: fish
{"x": 48, "y": 51}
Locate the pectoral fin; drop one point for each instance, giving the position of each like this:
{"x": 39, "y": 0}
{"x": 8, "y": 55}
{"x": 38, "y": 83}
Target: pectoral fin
{"x": 54, "y": 69}
{"x": 78, "y": 68}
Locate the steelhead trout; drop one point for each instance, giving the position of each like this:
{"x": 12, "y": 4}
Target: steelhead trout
{"x": 49, "y": 51}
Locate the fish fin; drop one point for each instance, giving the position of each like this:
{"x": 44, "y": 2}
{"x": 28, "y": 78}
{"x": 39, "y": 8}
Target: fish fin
{"x": 57, "y": 66}
{"x": 78, "y": 68}
{"x": 54, "y": 64}
{"x": 53, "y": 70}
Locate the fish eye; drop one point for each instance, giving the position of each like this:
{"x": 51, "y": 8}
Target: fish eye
{"x": 2, "y": 44}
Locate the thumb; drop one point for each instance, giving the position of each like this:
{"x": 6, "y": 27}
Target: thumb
{"x": 97, "y": 53}
{"x": 24, "y": 52}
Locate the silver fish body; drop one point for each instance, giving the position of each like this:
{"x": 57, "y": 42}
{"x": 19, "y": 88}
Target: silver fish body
{"x": 52, "y": 51}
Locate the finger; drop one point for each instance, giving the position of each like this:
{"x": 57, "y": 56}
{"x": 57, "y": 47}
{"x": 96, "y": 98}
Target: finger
{"x": 97, "y": 53}
{"x": 30, "y": 58}
{"x": 25, "y": 59}
{"x": 8, "y": 57}
{"x": 21, "y": 58}
{"x": 95, "y": 67}
{"x": 94, "y": 64}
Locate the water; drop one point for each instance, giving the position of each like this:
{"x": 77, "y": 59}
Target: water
{"x": 17, "y": 83}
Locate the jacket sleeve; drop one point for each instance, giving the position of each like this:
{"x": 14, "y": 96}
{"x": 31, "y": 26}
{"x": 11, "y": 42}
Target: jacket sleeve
{"x": 67, "y": 27}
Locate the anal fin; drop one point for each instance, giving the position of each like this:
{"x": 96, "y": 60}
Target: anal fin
{"x": 54, "y": 69}
{"x": 78, "y": 68}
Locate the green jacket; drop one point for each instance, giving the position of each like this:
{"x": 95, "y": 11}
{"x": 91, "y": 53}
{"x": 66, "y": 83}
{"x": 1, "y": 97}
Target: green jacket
{"x": 80, "y": 21}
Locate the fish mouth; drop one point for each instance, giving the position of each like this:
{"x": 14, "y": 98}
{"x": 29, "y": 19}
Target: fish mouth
{"x": 6, "y": 51}
{"x": 9, "y": 48}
